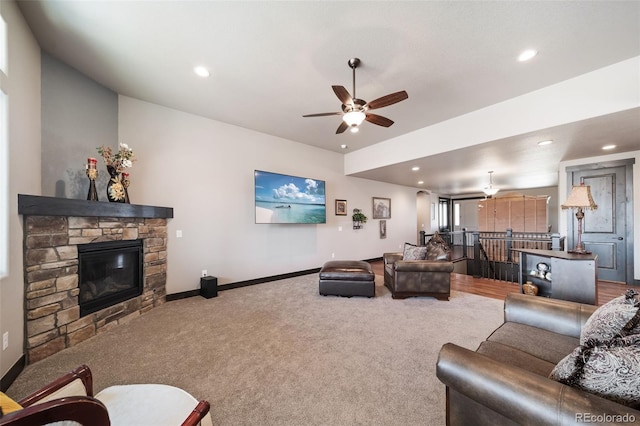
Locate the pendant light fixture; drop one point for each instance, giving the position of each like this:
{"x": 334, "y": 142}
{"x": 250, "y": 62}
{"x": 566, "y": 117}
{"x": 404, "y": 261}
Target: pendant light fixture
{"x": 490, "y": 190}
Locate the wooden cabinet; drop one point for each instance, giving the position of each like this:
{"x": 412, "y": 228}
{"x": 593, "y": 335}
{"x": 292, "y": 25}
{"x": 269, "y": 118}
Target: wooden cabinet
{"x": 521, "y": 213}
{"x": 572, "y": 276}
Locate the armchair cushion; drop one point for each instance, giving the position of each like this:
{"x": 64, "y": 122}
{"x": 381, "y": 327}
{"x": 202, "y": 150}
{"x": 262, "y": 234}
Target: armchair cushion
{"x": 438, "y": 249}
{"x": 413, "y": 252}
{"x": 166, "y": 405}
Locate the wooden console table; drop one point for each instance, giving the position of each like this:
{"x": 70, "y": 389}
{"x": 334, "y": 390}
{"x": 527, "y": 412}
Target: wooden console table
{"x": 573, "y": 276}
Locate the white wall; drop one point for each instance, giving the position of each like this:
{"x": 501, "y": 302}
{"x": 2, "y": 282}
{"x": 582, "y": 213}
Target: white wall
{"x": 23, "y": 88}
{"x": 204, "y": 170}
{"x": 604, "y": 91}
{"x": 563, "y": 185}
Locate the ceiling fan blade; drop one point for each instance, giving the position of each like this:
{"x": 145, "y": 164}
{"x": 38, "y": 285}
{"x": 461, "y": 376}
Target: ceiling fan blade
{"x": 343, "y": 95}
{"x": 379, "y": 120}
{"x": 342, "y": 127}
{"x": 388, "y": 100}
{"x": 323, "y": 114}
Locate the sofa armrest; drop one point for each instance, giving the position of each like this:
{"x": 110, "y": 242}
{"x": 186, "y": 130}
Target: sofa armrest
{"x": 517, "y": 394}
{"x": 390, "y": 258}
{"x": 558, "y": 316}
{"x": 423, "y": 266}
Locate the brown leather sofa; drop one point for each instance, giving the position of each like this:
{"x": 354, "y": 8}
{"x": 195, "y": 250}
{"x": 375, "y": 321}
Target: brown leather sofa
{"x": 505, "y": 382}
{"x": 430, "y": 277}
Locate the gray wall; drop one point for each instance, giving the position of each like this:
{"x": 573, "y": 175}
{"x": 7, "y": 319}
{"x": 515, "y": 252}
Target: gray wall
{"x": 78, "y": 115}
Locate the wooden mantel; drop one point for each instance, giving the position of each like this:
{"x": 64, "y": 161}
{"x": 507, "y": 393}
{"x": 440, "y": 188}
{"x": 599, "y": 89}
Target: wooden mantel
{"x": 34, "y": 205}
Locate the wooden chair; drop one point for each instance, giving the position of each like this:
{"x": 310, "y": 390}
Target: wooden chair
{"x": 71, "y": 398}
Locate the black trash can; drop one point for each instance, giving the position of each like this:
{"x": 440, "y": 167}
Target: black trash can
{"x": 208, "y": 287}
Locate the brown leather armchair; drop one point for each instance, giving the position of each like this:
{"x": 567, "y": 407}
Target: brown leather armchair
{"x": 430, "y": 277}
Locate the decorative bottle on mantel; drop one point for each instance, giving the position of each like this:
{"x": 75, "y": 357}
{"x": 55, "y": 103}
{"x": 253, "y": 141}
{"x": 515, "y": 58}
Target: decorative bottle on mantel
{"x": 115, "y": 189}
{"x": 125, "y": 184}
{"x": 92, "y": 174}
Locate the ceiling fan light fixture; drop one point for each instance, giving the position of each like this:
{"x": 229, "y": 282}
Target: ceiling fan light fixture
{"x": 354, "y": 118}
{"x": 354, "y": 129}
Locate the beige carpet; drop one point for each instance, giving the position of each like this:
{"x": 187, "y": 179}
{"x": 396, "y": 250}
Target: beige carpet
{"x": 280, "y": 354}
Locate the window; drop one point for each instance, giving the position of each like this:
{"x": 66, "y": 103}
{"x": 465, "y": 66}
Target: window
{"x": 443, "y": 214}
{"x": 456, "y": 214}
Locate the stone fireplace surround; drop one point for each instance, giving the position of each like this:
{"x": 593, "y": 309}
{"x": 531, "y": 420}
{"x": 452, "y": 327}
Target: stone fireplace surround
{"x": 53, "y": 227}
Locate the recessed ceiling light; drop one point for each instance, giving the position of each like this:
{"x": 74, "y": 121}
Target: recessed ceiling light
{"x": 547, "y": 142}
{"x": 343, "y": 146}
{"x": 415, "y": 169}
{"x": 420, "y": 182}
{"x": 202, "y": 71}
{"x": 608, "y": 147}
{"x": 527, "y": 54}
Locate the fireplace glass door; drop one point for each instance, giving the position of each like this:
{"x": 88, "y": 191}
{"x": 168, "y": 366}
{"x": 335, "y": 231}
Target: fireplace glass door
{"x": 109, "y": 273}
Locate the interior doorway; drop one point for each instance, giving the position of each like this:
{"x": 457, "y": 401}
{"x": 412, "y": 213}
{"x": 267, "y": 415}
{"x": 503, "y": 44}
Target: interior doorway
{"x": 608, "y": 230}
{"x": 423, "y": 209}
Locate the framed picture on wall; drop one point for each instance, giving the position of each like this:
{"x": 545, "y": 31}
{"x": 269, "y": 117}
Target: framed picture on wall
{"x": 381, "y": 208}
{"x": 383, "y": 229}
{"x": 341, "y": 207}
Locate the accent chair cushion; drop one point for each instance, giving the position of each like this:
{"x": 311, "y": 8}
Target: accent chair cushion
{"x": 8, "y": 405}
{"x": 608, "y": 369}
{"x": 618, "y": 317}
{"x": 413, "y": 252}
{"x": 438, "y": 249}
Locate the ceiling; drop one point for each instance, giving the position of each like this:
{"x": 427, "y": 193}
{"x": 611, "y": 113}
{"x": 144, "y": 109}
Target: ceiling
{"x": 273, "y": 61}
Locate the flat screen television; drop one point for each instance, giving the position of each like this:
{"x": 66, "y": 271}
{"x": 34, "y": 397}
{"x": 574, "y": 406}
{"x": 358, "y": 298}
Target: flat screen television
{"x": 289, "y": 199}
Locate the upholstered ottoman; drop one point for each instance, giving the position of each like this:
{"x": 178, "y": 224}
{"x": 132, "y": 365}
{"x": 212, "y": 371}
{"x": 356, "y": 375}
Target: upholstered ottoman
{"x": 347, "y": 278}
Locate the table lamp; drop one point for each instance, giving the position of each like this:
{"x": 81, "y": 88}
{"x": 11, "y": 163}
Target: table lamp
{"x": 580, "y": 198}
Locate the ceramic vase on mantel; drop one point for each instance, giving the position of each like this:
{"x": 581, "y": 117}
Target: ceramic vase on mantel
{"x": 115, "y": 189}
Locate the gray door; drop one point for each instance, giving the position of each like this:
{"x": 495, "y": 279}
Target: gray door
{"x": 604, "y": 230}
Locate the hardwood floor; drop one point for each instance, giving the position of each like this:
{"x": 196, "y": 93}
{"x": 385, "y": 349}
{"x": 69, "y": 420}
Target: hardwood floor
{"x": 605, "y": 291}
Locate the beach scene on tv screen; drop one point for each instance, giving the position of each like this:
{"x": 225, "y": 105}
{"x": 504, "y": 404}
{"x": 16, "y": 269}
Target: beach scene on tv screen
{"x": 289, "y": 199}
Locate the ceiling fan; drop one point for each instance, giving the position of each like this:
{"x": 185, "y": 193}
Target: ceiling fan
{"x": 355, "y": 111}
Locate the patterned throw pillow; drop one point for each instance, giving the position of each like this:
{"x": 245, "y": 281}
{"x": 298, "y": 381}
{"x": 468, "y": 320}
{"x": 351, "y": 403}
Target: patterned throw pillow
{"x": 609, "y": 369}
{"x": 609, "y": 319}
{"x": 438, "y": 249}
{"x": 412, "y": 252}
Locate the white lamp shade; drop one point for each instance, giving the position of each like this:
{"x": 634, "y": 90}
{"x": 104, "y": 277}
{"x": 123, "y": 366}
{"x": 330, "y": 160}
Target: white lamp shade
{"x": 490, "y": 190}
{"x": 354, "y": 118}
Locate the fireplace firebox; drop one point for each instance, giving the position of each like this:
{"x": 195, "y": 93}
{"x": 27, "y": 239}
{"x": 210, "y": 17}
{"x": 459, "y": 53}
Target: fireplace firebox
{"x": 110, "y": 272}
